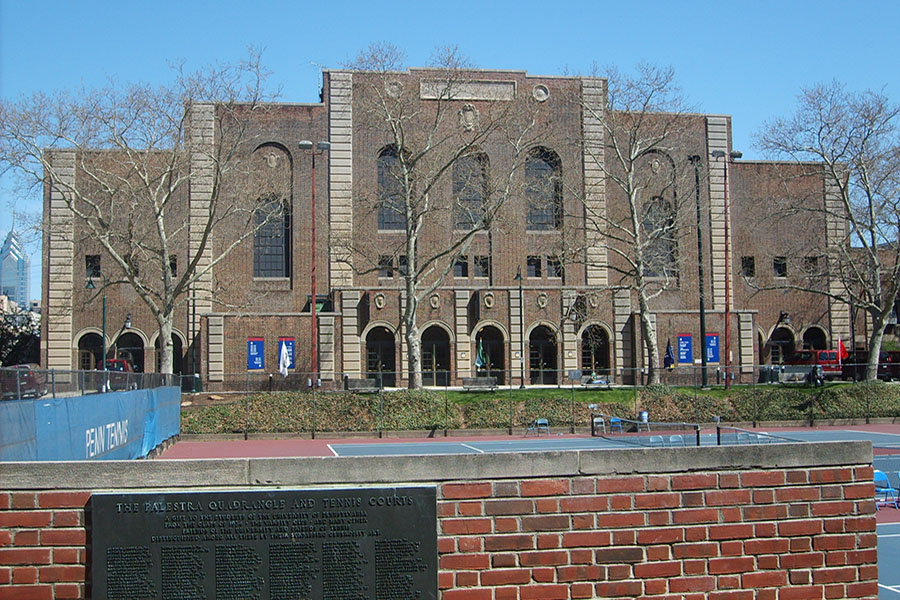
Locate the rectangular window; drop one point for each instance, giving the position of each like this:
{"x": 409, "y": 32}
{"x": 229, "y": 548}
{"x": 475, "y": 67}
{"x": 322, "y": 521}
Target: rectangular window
{"x": 482, "y": 266}
{"x": 534, "y": 266}
{"x": 748, "y": 266}
{"x": 403, "y": 265}
{"x": 173, "y": 265}
{"x": 386, "y": 266}
{"x": 779, "y": 265}
{"x": 92, "y": 265}
{"x": 461, "y": 267}
{"x": 811, "y": 264}
{"x": 554, "y": 267}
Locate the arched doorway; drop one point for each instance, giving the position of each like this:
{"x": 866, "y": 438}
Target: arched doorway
{"x": 491, "y": 343}
{"x": 90, "y": 348}
{"x": 177, "y": 356}
{"x": 594, "y": 351}
{"x": 380, "y": 357}
{"x": 814, "y": 339}
{"x": 542, "y": 355}
{"x": 782, "y": 345}
{"x": 435, "y": 356}
{"x": 130, "y": 346}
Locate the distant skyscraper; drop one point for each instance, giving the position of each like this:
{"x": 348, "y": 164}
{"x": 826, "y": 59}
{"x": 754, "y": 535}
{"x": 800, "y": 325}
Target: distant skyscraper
{"x": 15, "y": 271}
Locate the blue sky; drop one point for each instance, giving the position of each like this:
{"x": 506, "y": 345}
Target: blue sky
{"x": 745, "y": 59}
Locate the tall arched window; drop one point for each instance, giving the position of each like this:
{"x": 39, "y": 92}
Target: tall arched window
{"x": 271, "y": 241}
{"x": 543, "y": 190}
{"x": 391, "y": 197}
{"x": 469, "y": 190}
{"x": 659, "y": 244}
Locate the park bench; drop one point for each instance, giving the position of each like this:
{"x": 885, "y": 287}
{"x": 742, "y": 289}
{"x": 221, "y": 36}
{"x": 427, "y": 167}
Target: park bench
{"x": 799, "y": 374}
{"x": 361, "y": 386}
{"x": 592, "y": 381}
{"x": 479, "y": 384}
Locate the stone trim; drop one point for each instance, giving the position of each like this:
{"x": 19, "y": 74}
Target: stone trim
{"x": 60, "y": 264}
{"x": 717, "y": 139}
{"x": 340, "y": 175}
{"x": 594, "y": 100}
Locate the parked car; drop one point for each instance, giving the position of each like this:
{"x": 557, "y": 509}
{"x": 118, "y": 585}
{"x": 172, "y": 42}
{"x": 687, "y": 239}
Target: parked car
{"x": 888, "y": 365}
{"x": 121, "y": 375}
{"x": 20, "y": 381}
{"x": 826, "y": 359}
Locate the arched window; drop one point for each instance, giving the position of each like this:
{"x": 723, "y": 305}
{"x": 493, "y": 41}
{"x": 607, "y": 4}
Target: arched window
{"x": 469, "y": 190}
{"x": 659, "y": 245}
{"x": 543, "y": 190}
{"x": 391, "y": 197}
{"x": 271, "y": 241}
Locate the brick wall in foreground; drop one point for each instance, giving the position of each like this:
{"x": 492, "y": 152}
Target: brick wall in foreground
{"x": 660, "y": 523}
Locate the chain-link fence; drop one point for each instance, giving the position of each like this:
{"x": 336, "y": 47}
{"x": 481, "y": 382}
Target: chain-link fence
{"x": 25, "y": 382}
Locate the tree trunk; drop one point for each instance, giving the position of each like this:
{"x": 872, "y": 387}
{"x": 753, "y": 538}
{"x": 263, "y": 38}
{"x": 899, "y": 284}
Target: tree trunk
{"x": 412, "y": 333}
{"x": 875, "y": 346}
{"x": 165, "y": 344}
{"x": 648, "y": 332}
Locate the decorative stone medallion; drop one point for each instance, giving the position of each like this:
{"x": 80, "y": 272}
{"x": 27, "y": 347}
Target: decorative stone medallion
{"x": 540, "y": 93}
{"x": 435, "y": 301}
{"x": 593, "y": 300}
{"x": 393, "y": 89}
{"x": 542, "y": 300}
{"x": 489, "y": 300}
{"x": 468, "y": 117}
{"x": 379, "y": 301}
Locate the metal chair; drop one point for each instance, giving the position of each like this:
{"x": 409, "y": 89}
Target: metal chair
{"x": 616, "y": 423}
{"x": 537, "y": 426}
{"x": 883, "y": 486}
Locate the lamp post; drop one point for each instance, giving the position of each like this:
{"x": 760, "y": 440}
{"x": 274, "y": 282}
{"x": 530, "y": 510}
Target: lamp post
{"x": 734, "y": 154}
{"x": 320, "y": 148}
{"x": 695, "y": 160}
{"x": 518, "y": 278}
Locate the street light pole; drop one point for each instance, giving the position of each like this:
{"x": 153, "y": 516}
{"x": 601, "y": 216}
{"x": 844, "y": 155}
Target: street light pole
{"x": 695, "y": 160}
{"x": 521, "y": 330}
{"x": 733, "y": 155}
{"x": 321, "y": 148}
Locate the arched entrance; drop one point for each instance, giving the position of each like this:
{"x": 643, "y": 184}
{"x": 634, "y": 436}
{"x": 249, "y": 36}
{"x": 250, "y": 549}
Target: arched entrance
{"x": 594, "y": 351}
{"x": 814, "y": 339}
{"x": 435, "y": 356}
{"x": 542, "y": 355}
{"x": 90, "y": 348}
{"x": 380, "y": 357}
{"x": 177, "y": 356}
{"x": 782, "y": 345}
{"x": 130, "y": 346}
{"x": 494, "y": 349}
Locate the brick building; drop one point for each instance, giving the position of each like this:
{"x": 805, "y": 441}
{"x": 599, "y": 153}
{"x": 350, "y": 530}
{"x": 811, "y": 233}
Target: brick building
{"x": 572, "y": 309}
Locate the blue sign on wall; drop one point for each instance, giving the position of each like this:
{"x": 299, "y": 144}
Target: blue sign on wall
{"x": 685, "y": 348}
{"x": 712, "y": 347}
{"x": 256, "y": 354}
{"x": 289, "y": 342}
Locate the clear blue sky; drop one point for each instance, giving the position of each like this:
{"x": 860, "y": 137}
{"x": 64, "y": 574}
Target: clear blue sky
{"x": 746, "y": 59}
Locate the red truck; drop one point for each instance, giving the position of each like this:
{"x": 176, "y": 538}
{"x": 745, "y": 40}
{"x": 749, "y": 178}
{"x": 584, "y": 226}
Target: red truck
{"x": 826, "y": 359}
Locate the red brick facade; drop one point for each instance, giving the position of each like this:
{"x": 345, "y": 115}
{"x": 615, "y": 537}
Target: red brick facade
{"x": 687, "y": 523}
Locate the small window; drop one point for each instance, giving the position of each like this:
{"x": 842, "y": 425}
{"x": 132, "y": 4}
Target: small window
{"x": 534, "y": 266}
{"x": 779, "y": 265}
{"x": 482, "y": 265}
{"x": 92, "y": 265}
{"x": 811, "y": 264}
{"x": 386, "y": 266}
{"x": 554, "y": 267}
{"x": 748, "y": 266}
{"x": 461, "y": 267}
{"x": 173, "y": 265}
{"x": 403, "y": 265}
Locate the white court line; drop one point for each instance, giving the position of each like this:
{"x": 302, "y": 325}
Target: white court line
{"x": 893, "y": 588}
{"x": 872, "y": 432}
{"x": 333, "y": 451}
{"x": 480, "y": 451}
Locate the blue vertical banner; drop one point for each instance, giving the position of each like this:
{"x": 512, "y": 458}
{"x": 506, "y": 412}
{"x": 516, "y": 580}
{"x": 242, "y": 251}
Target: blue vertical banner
{"x": 256, "y": 354}
{"x": 712, "y": 347}
{"x": 289, "y": 343}
{"x": 685, "y": 348}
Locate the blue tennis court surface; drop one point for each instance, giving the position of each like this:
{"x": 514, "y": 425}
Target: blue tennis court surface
{"x": 652, "y": 439}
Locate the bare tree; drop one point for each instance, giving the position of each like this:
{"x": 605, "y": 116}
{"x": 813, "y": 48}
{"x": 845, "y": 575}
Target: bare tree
{"x": 853, "y": 143}
{"x": 644, "y": 124}
{"x": 433, "y": 142}
{"x": 135, "y": 158}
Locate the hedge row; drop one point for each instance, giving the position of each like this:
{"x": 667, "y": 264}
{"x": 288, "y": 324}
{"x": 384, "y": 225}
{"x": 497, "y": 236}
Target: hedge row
{"x": 420, "y": 410}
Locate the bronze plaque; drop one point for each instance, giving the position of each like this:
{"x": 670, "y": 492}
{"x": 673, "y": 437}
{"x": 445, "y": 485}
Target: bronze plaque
{"x": 341, "y": 544}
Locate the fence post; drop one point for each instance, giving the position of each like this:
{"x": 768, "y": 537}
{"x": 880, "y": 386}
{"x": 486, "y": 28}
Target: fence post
{"x": 314, "y": 403}
{"x": 53, "y": 382}
{"x": 246, "y": 416}
{"x": 510, "y": 405}
{"x": 573, "y": 407}
{"x": 447, "y": 406}
{"x": 381, "y": 413}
